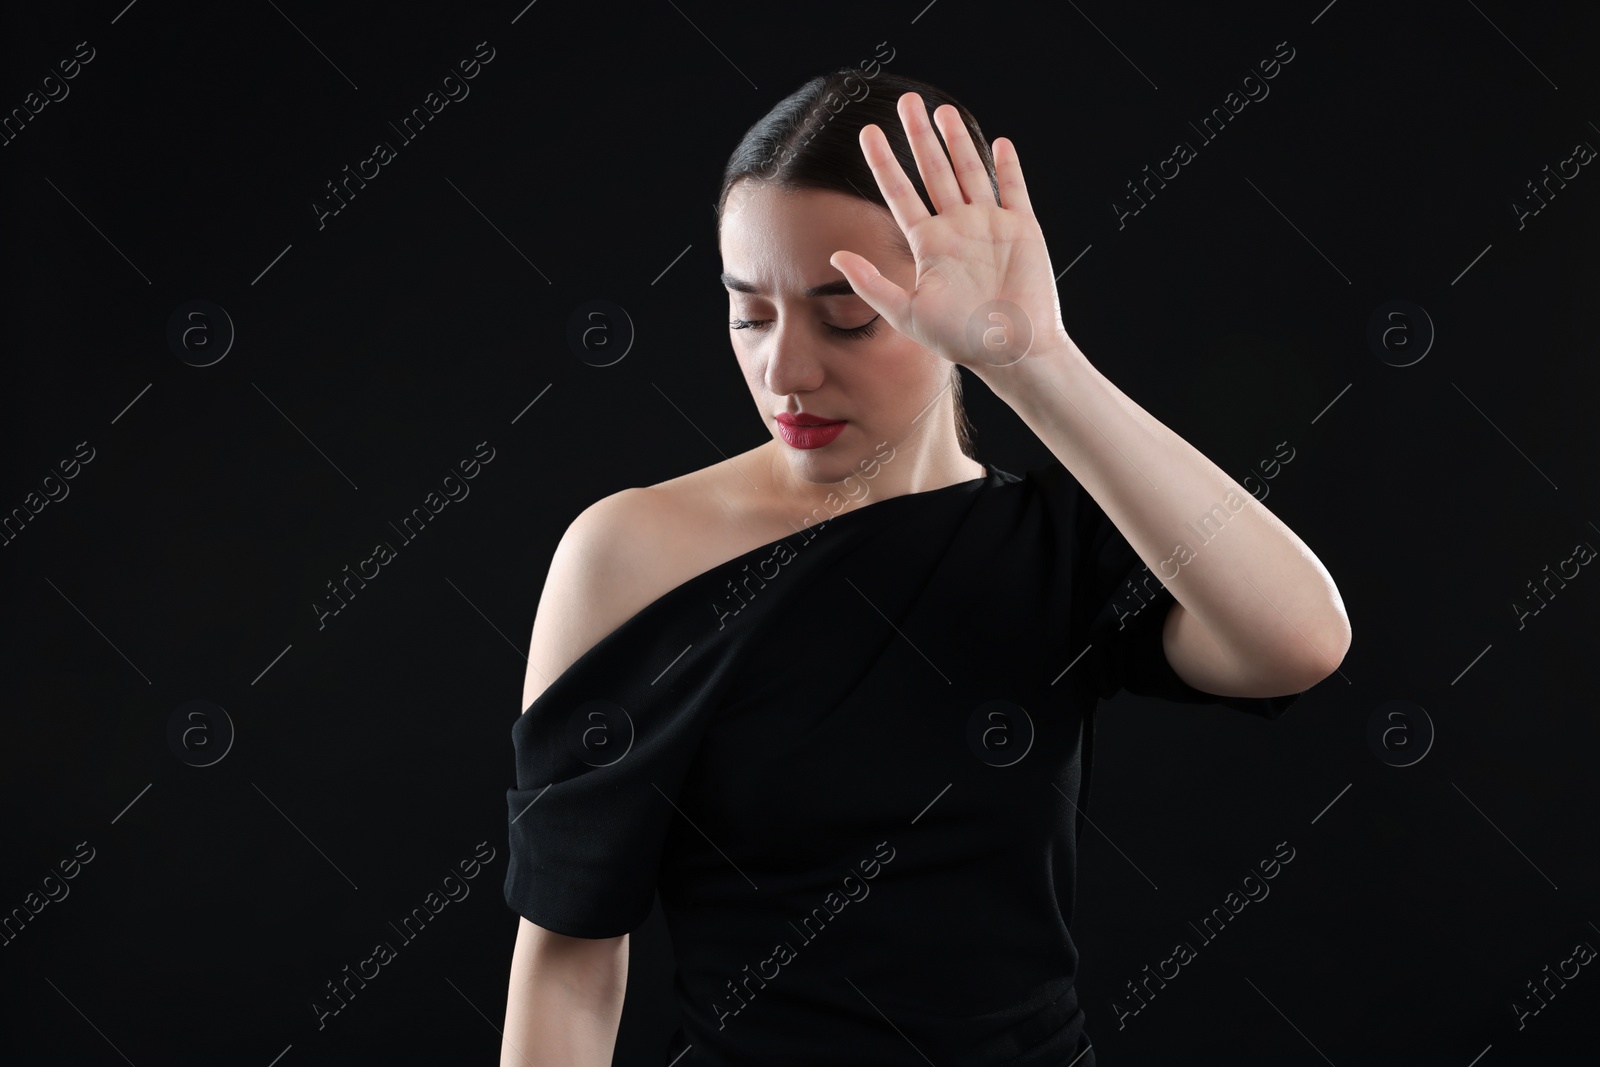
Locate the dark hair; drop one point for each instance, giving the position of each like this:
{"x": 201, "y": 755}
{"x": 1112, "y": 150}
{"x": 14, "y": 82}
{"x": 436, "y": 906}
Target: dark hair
{"x": 810, "y": 140}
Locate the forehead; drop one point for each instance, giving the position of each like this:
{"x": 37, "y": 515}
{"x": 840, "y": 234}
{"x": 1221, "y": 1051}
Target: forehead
{"x": 779, "y": 240}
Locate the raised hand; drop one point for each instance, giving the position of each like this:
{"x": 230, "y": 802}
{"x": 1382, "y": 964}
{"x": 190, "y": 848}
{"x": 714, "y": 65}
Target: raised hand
{"x": 985, "y": 295}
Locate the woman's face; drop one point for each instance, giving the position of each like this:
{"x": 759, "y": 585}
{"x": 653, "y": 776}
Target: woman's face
{"x": 797, "y": 356}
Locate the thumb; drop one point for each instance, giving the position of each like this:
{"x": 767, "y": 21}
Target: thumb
{"x": 883, "y": 295}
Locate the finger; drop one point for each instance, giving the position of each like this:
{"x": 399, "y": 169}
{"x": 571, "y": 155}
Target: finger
{"x": 932, "y": 164}
{"x": 970, "y": 171}
{"x": 898, "y": 192}
{"x": 881, "y": 294}
{"x": 1008, "y": 175}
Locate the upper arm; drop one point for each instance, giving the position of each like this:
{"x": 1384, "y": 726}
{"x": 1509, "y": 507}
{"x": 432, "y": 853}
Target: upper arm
{"x": 564, "y": 998}
{"x": 586, "y": 592}
{"x": 585, "y": 597}
{"x": 598, "y": 963}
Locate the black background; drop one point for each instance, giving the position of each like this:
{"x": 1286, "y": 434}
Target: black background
{"x": 373, "y": 354}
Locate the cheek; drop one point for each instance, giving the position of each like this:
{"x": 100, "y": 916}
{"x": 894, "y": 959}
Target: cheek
{"x": 754, "y": 373}
{"x": 901, "y": 365}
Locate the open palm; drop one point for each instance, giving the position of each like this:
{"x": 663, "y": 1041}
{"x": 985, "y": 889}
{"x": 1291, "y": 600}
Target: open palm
{"x": 985, "y": 295}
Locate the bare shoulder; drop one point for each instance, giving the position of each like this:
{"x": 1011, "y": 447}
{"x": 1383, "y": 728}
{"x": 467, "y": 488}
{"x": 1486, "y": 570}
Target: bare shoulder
{"x": 617, "y": 556}
{"x": 587, "y": 588}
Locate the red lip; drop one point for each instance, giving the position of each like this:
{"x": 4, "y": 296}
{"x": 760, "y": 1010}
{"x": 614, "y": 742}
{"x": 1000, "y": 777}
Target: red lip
{"x": 798, "y": 435}
{"x": 805, "y": 420}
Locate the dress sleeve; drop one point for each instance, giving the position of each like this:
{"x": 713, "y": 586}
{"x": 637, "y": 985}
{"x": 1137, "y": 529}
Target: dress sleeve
{"x": 601, "y": 758}
{"x": 1126, "y": 606}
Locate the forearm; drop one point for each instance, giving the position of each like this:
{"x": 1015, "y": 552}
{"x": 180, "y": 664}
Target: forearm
{"x": 564, "y": 1001}
{"x": 1260, "y": 592}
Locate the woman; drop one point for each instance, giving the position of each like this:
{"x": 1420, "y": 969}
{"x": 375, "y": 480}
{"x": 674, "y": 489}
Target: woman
{"x": 856, "y": 780}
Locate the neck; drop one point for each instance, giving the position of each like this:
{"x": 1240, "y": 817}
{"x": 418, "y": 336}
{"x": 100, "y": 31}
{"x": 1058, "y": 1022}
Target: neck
{"x": 876, "y": 476}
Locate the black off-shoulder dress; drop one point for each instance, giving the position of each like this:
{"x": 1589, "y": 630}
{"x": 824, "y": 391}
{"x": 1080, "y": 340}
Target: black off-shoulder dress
{"x": 854, "y": 763}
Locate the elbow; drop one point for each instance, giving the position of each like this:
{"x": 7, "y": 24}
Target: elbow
{"x": 1330, "y": 645}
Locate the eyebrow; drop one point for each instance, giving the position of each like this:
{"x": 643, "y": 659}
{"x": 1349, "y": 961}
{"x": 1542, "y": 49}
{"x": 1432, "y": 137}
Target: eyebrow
{"x": 840, "y": 287}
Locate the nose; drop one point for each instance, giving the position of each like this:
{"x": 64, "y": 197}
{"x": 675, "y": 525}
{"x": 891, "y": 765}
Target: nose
{"x": 792, "y": 365}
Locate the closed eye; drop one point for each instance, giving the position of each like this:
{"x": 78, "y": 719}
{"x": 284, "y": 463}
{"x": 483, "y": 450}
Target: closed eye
{"x": 863, "y": 331}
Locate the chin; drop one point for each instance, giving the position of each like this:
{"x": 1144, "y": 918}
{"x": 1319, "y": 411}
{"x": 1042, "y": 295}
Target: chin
{"x": 825, "y": 466}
